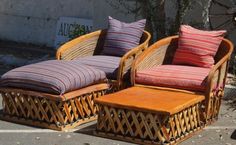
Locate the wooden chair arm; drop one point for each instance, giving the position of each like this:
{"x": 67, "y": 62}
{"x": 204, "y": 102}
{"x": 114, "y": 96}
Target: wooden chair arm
{"x": 216, "y": 79}
{"x": 153, "y": 56}
{"x": 218, "y": 73}
{"x": 128, "y": 59}
{"x": 79, "y": 47}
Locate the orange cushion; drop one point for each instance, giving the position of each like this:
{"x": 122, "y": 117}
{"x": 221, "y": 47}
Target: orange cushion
{"x": 197, "y": 47}
{"x": 174, "y": 76}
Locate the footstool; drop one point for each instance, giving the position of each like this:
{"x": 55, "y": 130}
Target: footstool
{"x": 52, "y": 94}
{"x": 149, "y": 116}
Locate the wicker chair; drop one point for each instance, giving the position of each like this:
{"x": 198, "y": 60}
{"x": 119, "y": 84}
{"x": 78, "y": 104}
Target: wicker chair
{"x": 91, "y": 44}
{"x": 162, "y": 52}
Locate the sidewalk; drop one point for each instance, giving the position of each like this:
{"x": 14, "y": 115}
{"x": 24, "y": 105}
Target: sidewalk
{"x": 222, "y": 132}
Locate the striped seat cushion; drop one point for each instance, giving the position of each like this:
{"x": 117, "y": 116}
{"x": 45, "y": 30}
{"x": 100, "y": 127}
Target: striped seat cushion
{"x": 197, "y": 47}
{"x": 174, "y": 76}
{"x": 108, "y": 64}
{"x": 53, "y": 76}
{"x": 121, "y": 37}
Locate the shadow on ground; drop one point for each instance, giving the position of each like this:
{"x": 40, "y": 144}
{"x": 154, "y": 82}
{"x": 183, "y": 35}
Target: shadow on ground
{"x": 89, "y": 130}
{"x": 233, "y": 135}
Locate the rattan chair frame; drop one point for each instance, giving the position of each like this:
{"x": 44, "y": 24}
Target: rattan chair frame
{"x": 92, "y": 44}
{"x": 162, "y": 52}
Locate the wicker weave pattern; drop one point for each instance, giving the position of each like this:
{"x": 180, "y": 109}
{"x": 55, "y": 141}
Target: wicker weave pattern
{"x": 153, "y": 59}
{"x": 92, "y": 44}
{"x": 79, "y": 47}
{"x": 87, "y": 48}
{"x": 44, "y": 112}
{"x": 148, "y": 128}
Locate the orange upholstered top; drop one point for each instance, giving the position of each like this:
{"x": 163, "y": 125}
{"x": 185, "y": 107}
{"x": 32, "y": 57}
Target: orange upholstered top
{"x": 151, "y": 100}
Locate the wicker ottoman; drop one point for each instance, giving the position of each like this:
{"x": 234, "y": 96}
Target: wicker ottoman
{"x": 149, "y": 116}
{"x": 53, "y": 94}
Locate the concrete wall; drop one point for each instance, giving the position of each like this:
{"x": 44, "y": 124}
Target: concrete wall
{"x": 34, "y": 21}
{"x": 103, "y": 9}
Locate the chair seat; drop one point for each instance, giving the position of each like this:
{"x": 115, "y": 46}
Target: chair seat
{"x": 54, "y": 76}
{"x": 174, "y": 76}
{"x": 108, "y": 64}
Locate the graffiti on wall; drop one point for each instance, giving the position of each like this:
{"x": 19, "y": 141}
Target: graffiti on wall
{"x": 71, "y": 27}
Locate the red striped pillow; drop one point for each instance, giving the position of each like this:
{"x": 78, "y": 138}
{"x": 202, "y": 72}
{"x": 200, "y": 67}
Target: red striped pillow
{"x": 197, "y": 47}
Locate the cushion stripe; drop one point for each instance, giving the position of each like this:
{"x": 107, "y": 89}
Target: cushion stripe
{"x": 34, "y": 85}
{"x": 120, "y": 33}
{"x": 38, "y": 74}
{"x": 71, "y": 69}
{"x": 67, "y": 69}
{"x": 208, "y": 47}
{"x": 122, "y": 41}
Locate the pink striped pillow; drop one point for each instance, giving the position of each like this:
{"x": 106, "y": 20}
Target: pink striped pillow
{"x": 197, "y": 47}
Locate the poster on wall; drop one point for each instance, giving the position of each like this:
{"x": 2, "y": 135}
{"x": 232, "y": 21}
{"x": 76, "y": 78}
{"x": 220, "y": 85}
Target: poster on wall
{"x": 71, "y": 27}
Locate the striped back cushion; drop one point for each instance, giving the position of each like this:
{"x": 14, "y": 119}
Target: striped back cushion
{"x": 54, "y": 76}
{"x": 174, "y": 76}
{"x": 121, "y": 37}
{"x": 197, "y": 47}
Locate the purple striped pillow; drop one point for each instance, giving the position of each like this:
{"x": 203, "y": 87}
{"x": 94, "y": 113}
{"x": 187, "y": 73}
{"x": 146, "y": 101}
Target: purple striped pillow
{"x": 197, "y": 47}
{"x": 121, "y": 37}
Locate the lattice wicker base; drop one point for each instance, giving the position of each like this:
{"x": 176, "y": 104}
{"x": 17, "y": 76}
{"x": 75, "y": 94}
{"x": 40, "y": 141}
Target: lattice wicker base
{"x": 148, "y": 128}
{"x": 33, "y": 108}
